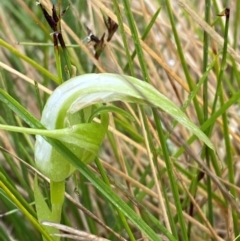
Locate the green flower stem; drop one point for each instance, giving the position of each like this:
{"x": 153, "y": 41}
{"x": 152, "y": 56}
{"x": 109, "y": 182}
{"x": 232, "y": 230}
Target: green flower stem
{"x": 57, "y": 190}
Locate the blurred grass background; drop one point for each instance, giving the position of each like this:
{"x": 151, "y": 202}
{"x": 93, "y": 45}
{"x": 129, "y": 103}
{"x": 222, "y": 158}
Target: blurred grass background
{"x": 175, "y": 65}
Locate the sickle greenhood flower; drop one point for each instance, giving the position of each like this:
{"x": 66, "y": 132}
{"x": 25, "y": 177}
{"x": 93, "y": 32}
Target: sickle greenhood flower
{"x": 62, "y": 113}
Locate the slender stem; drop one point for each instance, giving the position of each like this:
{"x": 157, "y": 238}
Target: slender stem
{"x": 183, "y": 61}
{"x": 234, "y": 71}
{"x": 205, "y": 59}
{"x": 222, "y": 69}
{"x": 205, "y": 108}
{"x": 172, "y": 179}
{"x": 57, "y": 190}
{"x": 229, "y": 161}
{"x": 145, "y": 34}
{"x": 136, "y": 41}
{"x": 219, "y": 93}
{"x": 170, "y": 218}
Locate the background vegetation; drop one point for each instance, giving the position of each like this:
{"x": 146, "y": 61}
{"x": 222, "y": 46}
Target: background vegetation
{"x": 179, "y": 188}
